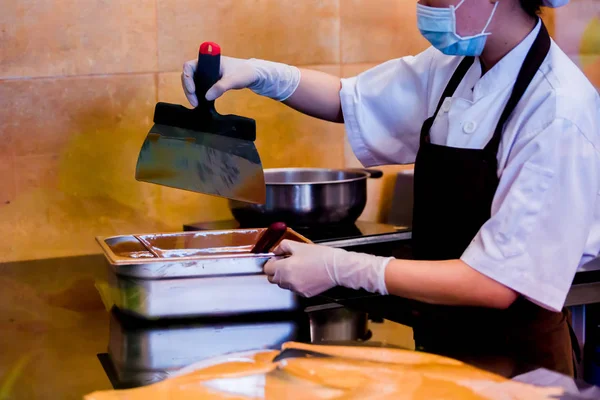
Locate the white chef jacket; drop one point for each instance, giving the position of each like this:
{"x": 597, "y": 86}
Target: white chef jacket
{"x": 545, "y": 216}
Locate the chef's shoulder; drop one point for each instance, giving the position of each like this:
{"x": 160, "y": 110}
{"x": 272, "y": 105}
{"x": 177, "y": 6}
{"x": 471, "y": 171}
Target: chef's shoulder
{"x": 569, "y": 96}
{"x": 411, "y": 71}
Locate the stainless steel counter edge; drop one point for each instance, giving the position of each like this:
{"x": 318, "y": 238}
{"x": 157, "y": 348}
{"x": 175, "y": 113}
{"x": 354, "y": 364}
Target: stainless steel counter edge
{"x": 593, "y": 265}
{"x": 580, "y": 293}
{"x": 367, "y": 240}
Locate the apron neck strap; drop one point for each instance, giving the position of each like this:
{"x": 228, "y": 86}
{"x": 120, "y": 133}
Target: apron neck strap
{"x": 451, "y": 87}
{"x": 457, "y": 77}
{"x": 533, "y": 61}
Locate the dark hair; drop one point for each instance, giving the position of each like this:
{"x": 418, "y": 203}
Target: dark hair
{"x": 531, "y": 7}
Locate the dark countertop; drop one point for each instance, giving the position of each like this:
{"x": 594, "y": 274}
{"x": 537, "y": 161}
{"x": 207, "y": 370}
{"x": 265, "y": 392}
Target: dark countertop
{"x": 53, "y": 326}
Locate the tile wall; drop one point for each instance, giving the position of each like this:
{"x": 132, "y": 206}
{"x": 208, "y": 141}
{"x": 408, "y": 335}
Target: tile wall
{"x": 79, "y": 81}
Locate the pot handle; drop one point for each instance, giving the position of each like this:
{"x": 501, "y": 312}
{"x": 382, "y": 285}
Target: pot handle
{"x": 373, "y": 173}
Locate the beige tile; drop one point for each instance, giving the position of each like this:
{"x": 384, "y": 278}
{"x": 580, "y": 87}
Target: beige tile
{"x": 46, "y": 222}
{"x": 76, "y": 171}
{"x": 285, "y": 138}
{"x": 548, "y": 16}
{"x": 350, "y": 70}
{"x": 577, "y": 32}
{"x": 590, "y": 37}
{"x": 393, "y": 334}
{"x": 36, "y": 172}
{"x": 376, "y": 31}
{"x": 43, "y": 116}
{"x": 577, "y": 27}
{"x": 7, "y": 181}
{"x": 178, "y": 206}
{"x": 380, "y": 191}
{"x": 170, "y": 89}
{"x": 6, "y": 145}
{"x": 50, "y": 38}
{"x": 296, "y": 32}
{"x": 591, "y": 67}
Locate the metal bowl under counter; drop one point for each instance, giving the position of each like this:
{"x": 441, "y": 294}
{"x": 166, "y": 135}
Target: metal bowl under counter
{"x": 334, "y": 323}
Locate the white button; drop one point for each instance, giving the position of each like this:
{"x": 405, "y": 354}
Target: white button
{"x": 447, "y": 104}
{"x": 469, "y": 127}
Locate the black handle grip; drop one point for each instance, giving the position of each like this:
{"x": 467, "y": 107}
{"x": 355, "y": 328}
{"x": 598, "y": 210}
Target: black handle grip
{"x": 205, "y": 118}
{"x": 208, "y": 72}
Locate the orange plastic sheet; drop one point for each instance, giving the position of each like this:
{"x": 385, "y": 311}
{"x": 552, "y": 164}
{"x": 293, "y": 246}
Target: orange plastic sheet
{"x": 348, "y": 373}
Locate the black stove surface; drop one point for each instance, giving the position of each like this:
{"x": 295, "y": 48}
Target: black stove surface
{"x": 316, "y": 234}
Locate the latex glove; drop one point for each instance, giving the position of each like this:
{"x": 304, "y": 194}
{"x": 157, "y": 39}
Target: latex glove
{"x": 312, "y": 269}
{"x": 270, "y": 79}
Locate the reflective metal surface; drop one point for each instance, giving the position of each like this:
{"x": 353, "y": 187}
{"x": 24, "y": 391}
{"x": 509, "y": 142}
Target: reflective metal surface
{"x": 138, "y": 346}
{"x": 222, "y": 276}
{"x": 307, "y": 196}
{"x": 348, "y": 235}
{"x": 54, "y": 325}
{"x": 187, "y": 254}
{"x": 201, "y": 162}
{"x": 335, "y": 323}
{"x": 198, "y": 297}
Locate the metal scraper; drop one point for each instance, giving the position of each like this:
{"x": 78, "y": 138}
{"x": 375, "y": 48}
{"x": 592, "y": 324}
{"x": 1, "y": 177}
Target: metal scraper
{"x": 201, "y": 150}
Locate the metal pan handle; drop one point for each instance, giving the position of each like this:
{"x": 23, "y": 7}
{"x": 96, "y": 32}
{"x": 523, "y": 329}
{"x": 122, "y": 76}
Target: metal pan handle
{"x": 373, "y": 173}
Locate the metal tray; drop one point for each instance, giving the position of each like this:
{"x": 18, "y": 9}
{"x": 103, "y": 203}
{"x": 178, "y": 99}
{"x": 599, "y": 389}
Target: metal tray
{"x": 166, "y": 348}
{"x": 214, "y": 296}
{"x": 188, "y": 254}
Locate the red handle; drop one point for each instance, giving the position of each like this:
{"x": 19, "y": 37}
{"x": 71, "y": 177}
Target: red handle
{"x": 207, "y": 72}
{"x": 269, "y": 238}
{"x": 210, "y": 48}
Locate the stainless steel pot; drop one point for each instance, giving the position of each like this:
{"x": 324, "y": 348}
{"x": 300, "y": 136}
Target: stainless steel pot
{"x": 308, "y": 197}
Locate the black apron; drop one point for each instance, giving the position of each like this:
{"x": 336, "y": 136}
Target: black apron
{"x": 453, "y": 193}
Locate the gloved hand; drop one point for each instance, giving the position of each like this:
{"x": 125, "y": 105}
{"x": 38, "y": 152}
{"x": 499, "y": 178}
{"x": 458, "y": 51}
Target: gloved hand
{"x": 270, "y": 79}
{"x": 312, "y": 269}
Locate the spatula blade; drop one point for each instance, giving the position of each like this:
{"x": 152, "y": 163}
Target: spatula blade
{"x": 202, "y": 162}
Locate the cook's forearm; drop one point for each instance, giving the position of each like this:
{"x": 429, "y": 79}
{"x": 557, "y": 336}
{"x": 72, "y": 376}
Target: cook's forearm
{"x": 318, "y": 95}
{"x": 449, "y": 282}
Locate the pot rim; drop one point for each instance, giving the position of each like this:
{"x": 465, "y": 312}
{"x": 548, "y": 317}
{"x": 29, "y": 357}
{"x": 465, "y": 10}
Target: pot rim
{"x": 365, "y": 175}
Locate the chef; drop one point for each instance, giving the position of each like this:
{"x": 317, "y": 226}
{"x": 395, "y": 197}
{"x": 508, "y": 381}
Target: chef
{"x": 504, "y": 132}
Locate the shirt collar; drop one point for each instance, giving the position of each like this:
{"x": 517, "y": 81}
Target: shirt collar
{"x": 505, "y": 72}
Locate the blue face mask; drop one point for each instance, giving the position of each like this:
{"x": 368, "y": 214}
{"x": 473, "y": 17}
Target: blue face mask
{"x": 438, "y": 25}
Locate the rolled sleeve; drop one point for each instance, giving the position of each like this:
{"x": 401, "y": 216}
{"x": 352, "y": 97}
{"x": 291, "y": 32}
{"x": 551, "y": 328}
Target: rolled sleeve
{"x": 350, "y": 105}
{"x": 384, "y": 108}
{"x": 542, "y": 215}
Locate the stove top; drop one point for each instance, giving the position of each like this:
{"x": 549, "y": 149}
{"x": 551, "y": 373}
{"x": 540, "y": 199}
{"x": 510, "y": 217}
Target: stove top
{"x": 359, "y": 233}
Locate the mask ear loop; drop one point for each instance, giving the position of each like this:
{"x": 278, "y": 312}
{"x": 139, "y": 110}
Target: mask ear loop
{"x": 490, "y": 19}
{"x": 483, "y": 32}
{"x": 453, "y": 11}
{"x": 458, "y": 5}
